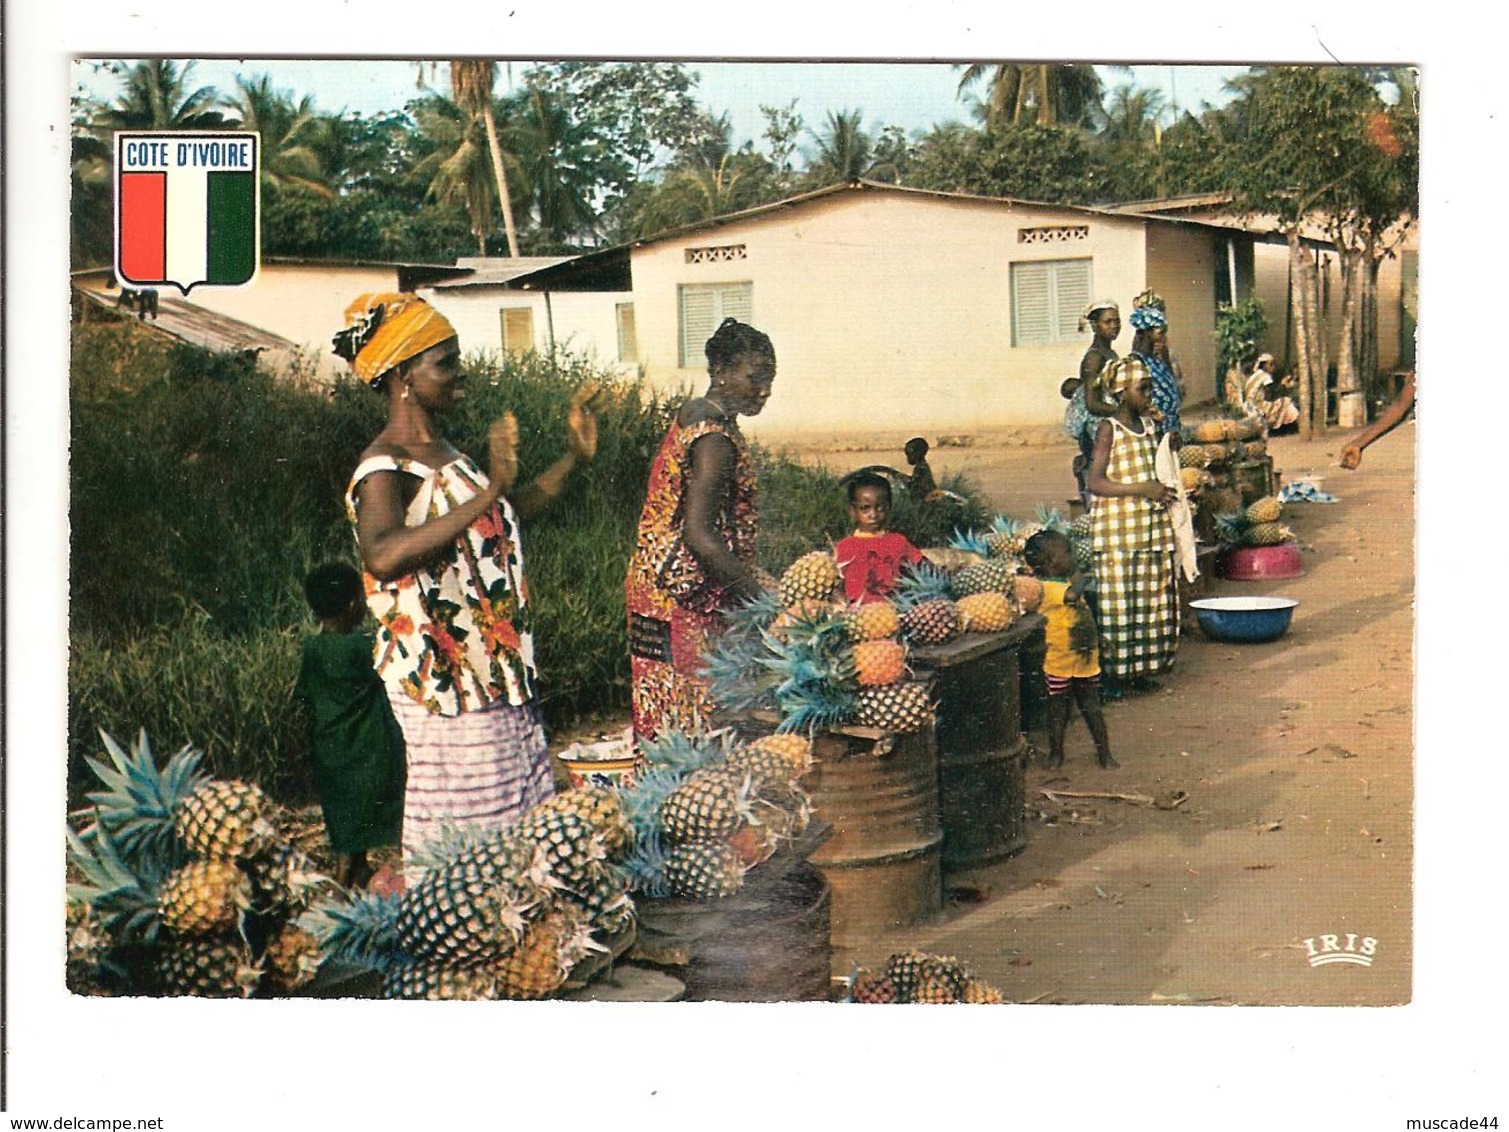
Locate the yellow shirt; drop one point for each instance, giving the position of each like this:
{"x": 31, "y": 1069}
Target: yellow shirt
{"x": 1068, "y": 626}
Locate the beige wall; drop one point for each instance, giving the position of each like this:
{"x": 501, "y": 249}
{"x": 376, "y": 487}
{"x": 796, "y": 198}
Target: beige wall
{"x": 304, "y": 303}
{"x": 585, "y": 322}
{"x": 1181, "y": 267}
{"x": 889, "y": 313}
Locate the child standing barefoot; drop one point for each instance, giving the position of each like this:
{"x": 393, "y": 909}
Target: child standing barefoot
{"x": 1071, "y": 664}
{"x": 355, "y": 742}
{"x": 1132, "y": 537}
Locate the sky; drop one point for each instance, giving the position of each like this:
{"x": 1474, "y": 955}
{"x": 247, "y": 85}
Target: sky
{"x": 913, "y": 95}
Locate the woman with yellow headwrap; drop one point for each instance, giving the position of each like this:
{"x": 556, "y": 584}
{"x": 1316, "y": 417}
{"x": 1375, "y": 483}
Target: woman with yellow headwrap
{"x": 444, "y": 574}
{"x": 1131, "y": 536}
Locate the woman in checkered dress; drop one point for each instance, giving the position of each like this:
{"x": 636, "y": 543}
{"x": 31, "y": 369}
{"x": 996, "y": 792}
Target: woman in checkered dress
{"x": 1131, "y": 535}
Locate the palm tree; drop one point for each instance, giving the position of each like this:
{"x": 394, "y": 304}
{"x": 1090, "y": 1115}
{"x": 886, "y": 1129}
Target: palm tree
{"x": 291, "y": 135}
{"x": 472, "y": 84}
{"x": 844, "y": 152}
{"x": 691, "y": 194}
{"x": 1132, "y": 117}
{"x": 457, "y": 166}
{"x": 1049, "y": 94}
{"x": 549, "y": 151}
{"x": 157, "y": 96}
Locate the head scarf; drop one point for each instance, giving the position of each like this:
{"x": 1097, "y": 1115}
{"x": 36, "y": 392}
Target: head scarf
{"x": 1148, "y": 312}
{"x": 386, "y": 328}
{"x": 1113, "y": 380}
{"x": 1095, "y": 308}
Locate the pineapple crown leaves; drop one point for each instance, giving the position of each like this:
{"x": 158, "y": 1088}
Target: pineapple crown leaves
{"x": 746, "y": 620}
{"x": 972, "y": 541}
{"x": 646, "y": 867}
{"x": 363, "y": 930}
{"x": 680, "y": 751}
{"x": 737, "y": 682}
{"x": 447, "y": 841}
{"x": 139, "y": 801}
{"x": 1231, "y": 529}
{"x": 124, "y": 901}
{"x": 1052, "y": 520}
{"x": 642, "y": 801}
{"x": 918, "y": 583}
{"x": 810, "y": 708}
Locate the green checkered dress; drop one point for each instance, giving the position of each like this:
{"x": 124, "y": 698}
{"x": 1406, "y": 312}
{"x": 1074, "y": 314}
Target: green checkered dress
{"x": 1133, "y": 544}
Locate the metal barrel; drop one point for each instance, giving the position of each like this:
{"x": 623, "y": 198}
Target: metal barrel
{"x": 769, "y": 942}
{"x": 880, "y": 794}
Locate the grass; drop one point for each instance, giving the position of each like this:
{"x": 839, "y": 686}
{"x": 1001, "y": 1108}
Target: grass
{"x": 203, "y": 491}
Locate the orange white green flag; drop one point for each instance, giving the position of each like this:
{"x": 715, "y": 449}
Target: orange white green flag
{"x": 186, "y": 208}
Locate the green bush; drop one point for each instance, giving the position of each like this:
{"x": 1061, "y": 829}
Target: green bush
{"x": 203, "y": 491}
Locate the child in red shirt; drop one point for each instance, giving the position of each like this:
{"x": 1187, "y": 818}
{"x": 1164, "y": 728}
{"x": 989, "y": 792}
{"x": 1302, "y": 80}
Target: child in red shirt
{"x": 871, "y": 558}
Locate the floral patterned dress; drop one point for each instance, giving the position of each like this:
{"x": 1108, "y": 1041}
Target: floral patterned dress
{"x": 674, "y": 608}
{"x": 453, "y": 648}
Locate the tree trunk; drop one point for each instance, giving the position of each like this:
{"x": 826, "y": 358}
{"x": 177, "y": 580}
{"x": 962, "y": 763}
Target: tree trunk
{"x": 1315, "y": 340}
{"x": 1302, "y": 355}
{"x": 503, "y": 196}
{"x": 1370, "y": 318}
{"x": 1351, "y": 389}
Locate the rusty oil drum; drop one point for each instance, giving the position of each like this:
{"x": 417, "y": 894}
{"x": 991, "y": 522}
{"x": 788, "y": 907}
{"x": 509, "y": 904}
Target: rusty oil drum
{"x": 880, "y": 794}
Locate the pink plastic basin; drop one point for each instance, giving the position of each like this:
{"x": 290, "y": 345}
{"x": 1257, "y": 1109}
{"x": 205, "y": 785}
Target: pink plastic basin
{"x": 1255, "y": 563}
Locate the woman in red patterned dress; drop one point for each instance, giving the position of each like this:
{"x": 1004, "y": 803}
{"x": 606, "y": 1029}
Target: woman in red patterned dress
{"x": 695, "y": 551}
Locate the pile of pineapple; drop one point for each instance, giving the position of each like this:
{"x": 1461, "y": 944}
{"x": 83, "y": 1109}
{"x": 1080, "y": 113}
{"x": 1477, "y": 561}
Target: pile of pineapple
{"x": 181, "y": 884}
{"x": 1257, "y": 525}
{"x": 1004, "y": 543}
{"x": 1211, "y": 447}
{"x": 708, "y": 808}
{"x": 497, "y": 914}
{"x": 817, "y": 662}
{"x": 917, "y": 977}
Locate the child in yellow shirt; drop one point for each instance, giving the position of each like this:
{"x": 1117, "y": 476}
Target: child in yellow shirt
{"x": 1071, "y": 664}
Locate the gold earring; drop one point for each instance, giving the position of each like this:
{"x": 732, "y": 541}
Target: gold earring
{"x": 404, "y": 396}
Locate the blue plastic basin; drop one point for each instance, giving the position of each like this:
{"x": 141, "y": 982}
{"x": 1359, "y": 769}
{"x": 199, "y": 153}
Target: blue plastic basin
{"x": 1244, "y": 620}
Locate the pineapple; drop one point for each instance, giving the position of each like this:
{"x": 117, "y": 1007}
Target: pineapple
{"x": 1193, "y": 479}
{"x": 226, "y": 820}
{"x": 978, "y": 991}
{"x": 539, "y": 966}
{"x": 993, "y": 576}
{"x": 209, "y": 967}
{"x": 932, "y": 622}
{"x": 283, "y": 880}
{"x": 812, "y": 575}
{"x": 292, "y": 958}
{"x": 940, "y": 980}
{"x": 1193, "y": 456}
{"x": 203, "y": 897}
{"x": 704, "y": 870}
{"x": 763, "y": 765}
{"x": 904, "y": 969}
{"x": 570, "y": 842}
{"x": 872, "y": 988}
{"x": 985, "y": 613}
{"x": 880, "y": 662}
{"x": 605, "y": 900}
{"x": 1264, "y": 510}
{"x": 795, "y": 749}
{"x": 1209, "y": 431}
{"x": 476, "y": 906}
{"x": 1028, "y": 592}
{"x": 704, "y": 807}
{"x": 435, "y": 982}
{"x": 897, "y": 707}
{"x": 873, "y": 621}
{"x": 600, "y": 807}
{"x": 754, "y": 843}
{"x": 1269, "y": 534}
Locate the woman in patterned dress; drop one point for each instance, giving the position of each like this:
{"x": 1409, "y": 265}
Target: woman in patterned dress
{"x": 1150, "y": 321}
{"x": 444, "y": 575}
{"x": 694, "y": 555}
{"x": 1132, "y": 537}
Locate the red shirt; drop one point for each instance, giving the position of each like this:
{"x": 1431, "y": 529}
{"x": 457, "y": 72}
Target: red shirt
{"x": 872, "y": 563}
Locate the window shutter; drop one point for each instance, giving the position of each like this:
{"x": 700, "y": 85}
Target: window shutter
{"x": 703, "y": 307}
{"x": 628, "y": 336}
{"x": 1072, "y": 296}
{"x": 1030, "y": 307}
{"x": 518, "y": 330}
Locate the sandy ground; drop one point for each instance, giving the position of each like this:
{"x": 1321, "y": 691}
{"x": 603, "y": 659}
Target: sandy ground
{"x": 1295, "y": 756}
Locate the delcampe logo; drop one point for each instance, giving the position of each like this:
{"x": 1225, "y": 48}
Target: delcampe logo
{"x": 186, "y": 209}
{"x": 1349, "y": 948}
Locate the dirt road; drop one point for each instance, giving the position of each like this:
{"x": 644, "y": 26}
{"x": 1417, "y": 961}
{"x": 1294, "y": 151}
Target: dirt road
{"x": 1296, "y": 760}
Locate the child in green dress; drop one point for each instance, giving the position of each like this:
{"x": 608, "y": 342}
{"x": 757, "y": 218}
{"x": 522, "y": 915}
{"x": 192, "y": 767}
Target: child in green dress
{"x": 355, "y": 742}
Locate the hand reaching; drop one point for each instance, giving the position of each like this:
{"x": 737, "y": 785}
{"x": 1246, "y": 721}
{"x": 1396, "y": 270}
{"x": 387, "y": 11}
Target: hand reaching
{"x": 503, "y": 452}
{"x": 581, "y": 424}
{"x": 1351, "y": 456}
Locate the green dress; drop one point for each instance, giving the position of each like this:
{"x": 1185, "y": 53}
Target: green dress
{"x": 355, "y": 742}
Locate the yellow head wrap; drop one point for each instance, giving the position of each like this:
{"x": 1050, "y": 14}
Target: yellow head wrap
{"x": 386, "y": 328}
{"x": 1118, "y": 375}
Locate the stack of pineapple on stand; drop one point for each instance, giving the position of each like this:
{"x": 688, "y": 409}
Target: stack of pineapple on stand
{"x": 1210, "y": 452}
{"x": 708, "y": 808}
{"x": 182, "y": 884}
{"x": 918, "y": 977}
{"x": 512, "y": 913}
{"x": 998, "y": 562}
